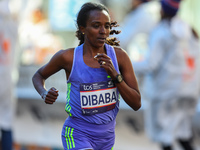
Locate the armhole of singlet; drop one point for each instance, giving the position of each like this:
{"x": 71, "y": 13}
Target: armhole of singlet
{"x": 74, "y": 59}
{"x": 116, "y": 62}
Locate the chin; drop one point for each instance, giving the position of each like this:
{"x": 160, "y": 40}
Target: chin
{"x": 99, "y": 44}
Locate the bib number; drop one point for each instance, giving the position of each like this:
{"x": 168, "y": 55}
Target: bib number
{"x": 98, "y": 97}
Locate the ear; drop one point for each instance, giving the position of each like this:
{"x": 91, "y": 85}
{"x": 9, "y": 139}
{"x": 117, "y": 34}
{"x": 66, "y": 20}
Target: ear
{"x": 82, "y": 29}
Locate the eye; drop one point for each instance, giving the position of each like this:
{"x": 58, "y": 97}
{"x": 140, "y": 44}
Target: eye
{"x": 107, "y": 26}
{"x": 96, "y": 25}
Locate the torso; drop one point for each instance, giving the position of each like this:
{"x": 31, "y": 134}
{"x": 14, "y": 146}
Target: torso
{"x": 82, "y": 74}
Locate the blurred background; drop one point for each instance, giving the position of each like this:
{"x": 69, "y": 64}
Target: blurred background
{"x": 46, "y": 26}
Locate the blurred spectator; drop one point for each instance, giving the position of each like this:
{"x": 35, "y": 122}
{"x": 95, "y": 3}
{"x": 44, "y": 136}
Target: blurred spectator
{"x": 36, "y": 39}
{"x": 136, "y": 28}
{"x": 137, "y": 25}
{"x": 8, "y": 40}
{"x": 173, "y": 65}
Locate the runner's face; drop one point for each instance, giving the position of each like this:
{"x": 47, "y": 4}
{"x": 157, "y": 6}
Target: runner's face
{"x": 97, "y": 28}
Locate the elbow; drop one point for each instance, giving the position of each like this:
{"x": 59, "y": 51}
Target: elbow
{"x": 36, "y": 77}
{"x": 137, "y": 105}
{"x": 33, "y": 78}
{"x": 133, "y": 100}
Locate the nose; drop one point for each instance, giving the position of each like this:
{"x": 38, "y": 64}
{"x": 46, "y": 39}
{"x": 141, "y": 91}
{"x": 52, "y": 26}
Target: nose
{"x": 102, "y": 30}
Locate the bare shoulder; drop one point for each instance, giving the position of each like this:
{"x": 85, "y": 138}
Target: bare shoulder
{"x": 63, "y": 59}
{"x": 119, "y": 51}
{"x": 65, "y": 55}
{"x": 122, "y": 55}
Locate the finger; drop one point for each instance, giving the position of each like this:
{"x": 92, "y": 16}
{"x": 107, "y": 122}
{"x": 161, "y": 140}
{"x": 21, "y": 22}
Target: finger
{"x": 103, "y": 55}
{"x": 106, "y": 62}
{"x": 51, "y": 95}
{"x": 103, "y": 63}
{"x": 54, "y": 93}
{"x": 103, "y": 60}
{"x": 50, "y": 99}
{"x": 54, "y": 89}
{"x": 95, "y": 57}
{"x": 48, "y": 102}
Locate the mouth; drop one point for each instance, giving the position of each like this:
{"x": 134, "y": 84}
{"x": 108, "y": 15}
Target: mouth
{"x": 101, "y": 39}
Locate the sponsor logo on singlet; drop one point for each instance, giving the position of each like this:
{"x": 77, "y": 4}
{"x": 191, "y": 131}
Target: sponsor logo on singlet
{"x": 97, "y": 97}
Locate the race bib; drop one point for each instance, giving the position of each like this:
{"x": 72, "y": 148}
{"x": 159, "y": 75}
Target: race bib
{"x": 97, "y": 97}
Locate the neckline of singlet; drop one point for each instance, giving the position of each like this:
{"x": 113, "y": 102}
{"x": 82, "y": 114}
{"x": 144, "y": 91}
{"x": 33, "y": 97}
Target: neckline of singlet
{"x": 99, "y": 69}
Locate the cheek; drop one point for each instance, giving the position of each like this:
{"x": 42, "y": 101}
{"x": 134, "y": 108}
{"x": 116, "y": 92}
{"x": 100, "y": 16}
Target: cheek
{"x": 108, "y": 32}
{"x": 93, "y": 32}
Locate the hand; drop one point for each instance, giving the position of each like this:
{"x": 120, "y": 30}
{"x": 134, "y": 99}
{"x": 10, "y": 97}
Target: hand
{"x": 106, "y": 63}
{"x": 50, "y": 96}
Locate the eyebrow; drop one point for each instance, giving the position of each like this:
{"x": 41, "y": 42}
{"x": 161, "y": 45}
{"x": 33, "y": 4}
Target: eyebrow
{"x": 100, "y": 22}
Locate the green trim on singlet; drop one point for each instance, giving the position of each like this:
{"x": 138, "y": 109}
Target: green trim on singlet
{"x": 112, "y": 148}
{"x": 68, "y": 107}
{"x": 108, "y": 77}
{"x": 69, "y": 137}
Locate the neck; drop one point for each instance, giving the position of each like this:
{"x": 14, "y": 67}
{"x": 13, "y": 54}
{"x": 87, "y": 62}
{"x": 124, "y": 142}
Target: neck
{"x": 90, "y": 51}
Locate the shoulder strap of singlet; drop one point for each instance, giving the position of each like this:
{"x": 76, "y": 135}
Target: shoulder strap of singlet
{"x": 112, "y": 54}
{"x": 76, "y": 52}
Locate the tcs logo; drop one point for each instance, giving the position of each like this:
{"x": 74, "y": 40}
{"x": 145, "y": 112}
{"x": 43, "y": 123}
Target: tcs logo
{"x": 87, "y": 87}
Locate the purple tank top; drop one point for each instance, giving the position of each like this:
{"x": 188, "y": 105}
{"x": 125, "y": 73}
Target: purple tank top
{"x": 91, "y": 95}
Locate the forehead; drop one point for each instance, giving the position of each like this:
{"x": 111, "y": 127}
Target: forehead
{"x": 99, "y": 16}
